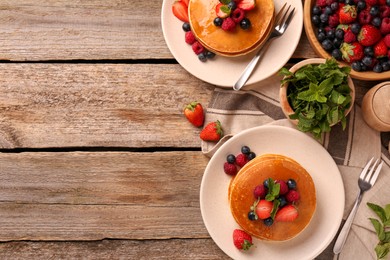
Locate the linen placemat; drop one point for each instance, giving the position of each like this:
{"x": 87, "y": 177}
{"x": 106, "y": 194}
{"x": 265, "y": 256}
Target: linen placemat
{"x": 350, "y": 148}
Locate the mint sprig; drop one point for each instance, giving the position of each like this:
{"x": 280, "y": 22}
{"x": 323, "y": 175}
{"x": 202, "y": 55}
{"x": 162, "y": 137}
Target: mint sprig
{"x": 319, "y": 95}
{"x": 381, "y": 228}
{"x": 273, "y": 190}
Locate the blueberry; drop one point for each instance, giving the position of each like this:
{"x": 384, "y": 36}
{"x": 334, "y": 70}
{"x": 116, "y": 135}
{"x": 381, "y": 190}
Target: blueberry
{"x": 374, "y": 10}
{"x": 231, "y": 158}
{"x": 378, "y": 68}
{"x": 202, "y": 57}
{"x": 268, "y": 222}
{"x": 218, "y": 21}
{"x": 316, "y": 10}
{"x": 315, "y": 20}
{"x": 349, "y": 2}
{"x": 339, "y": 34}
{"x": 245, "y": 149}
{"x": 330, "y": 34}
{"x": 252, "y": 215}
{"x": 245, "y": 24}
{"x": 356, "y": 66}
{"x": 388, "y": 2}
{"x": 321, "y": 30}
{"x": 321, "y": 36}
{"x": 327, "y": 45}
{"x": 336, "y": 53}
{"x": 385, "y": 66}
{"x": 363, "y": 66}
{"x": 282, "y": 201}
{"x": 369, "y": 51}
{"x": 210, "y": 54}
{"x": 232, "y": 5}
{"x": 367, "y": 60}
{"x": 265, "y": 183}
{"x": 324, "y": 18}
{"x": 292, "y": 184}
{"x": 361, "y": 5}
{"x": 251, "y": 156}
{"x": 337, "y": 42}
{"x": 186, "y": 27}
{"x": 334, "y": 6}
{"x": 328, "y": 10}
{"x": 376, "y": 21}
{"x": 355, "y": 28}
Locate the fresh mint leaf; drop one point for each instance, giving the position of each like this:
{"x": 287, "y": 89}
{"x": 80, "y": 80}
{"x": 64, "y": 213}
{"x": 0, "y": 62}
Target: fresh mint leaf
{"x": 225, "y": 2}
{"x": 382, "y": 250}
{"x": 379, "y": 211}
{"x": 387, "y": 211}
{"x": 275, "y": 208}
{"x": 226, "y": 9}
{"x": 380, "y": 231}
{"x": 273, "y": 190}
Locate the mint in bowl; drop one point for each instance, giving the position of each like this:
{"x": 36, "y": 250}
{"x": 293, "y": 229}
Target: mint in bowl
{"x": 317, "y": 94}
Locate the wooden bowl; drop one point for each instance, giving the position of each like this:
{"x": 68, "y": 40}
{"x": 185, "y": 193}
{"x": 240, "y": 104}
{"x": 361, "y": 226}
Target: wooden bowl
{"x": 376, "y": 107}
{"x": 285, "y": 105}
{"x": 309, "y": 29}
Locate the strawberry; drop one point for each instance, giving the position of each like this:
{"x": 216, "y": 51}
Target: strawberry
{"x": 241, "y": 239}
{"x": 380, "y": 49}
{"x": 347, "y": 14}
{"x": 351, "y": 51}
{"x": 369, "y": 35}
{"x": 194, "y": 113}
{"x": 387, "y": 40}
{"x": 264, "y": 208}
{"x": 186, "y": 2}
{"x": 212, "y": 132}
{"x": 180, "y": 10}
{"x": 222, "y": 10}
{"x": 286, "y": 214}
{"x": 246, "y": 5}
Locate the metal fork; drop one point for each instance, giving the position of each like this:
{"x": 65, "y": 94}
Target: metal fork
{"x": 282, "y": 20}
{"x": 366, "y": 181}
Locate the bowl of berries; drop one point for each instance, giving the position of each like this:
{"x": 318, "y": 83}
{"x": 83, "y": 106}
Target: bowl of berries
{"x": 354, "y": 32}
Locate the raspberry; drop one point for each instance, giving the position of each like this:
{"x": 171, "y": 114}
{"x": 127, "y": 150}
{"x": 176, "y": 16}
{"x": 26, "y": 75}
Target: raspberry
{"x": 241, "y": 160}
{"x": 321, "y": 3}
{"x": 292, "y": 196}
{"x": 387, "y": 40}
{"x": 384, "y": 11}
{"x": 237, "y": 15}
{"x": 230, "y": 168}
{"x": 371, "y": 2}
{"x": 283, "y": 187}
{"x": 364, "y": 17}
{"x": 349, "y": 37}
{"x": 228, "y": 24}
{"x": 197, "y": 48}
{"x": 333, "y": 20}
{"x": 260, "y": 191}
{"x": 385, "y": 26}
{"x": 190, "y": 37}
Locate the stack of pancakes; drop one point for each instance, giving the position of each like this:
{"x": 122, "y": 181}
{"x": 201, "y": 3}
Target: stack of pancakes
{"x": 277, "y": 167}
{"x": 230, "y": 43}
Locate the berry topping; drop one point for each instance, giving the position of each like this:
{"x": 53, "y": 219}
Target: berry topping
{"x": 246, "y": 5}
{"x": 251, "y": 156}
{"x": 292, "y": 184}
{"x": 218, "y": 21}
{"x": 241, "y": 239}
{"x": 197, "y": 47}
{"x": 245, "y": 24}
{"x": 283, "y": 187}
{"x": 231, "y": 158}
{"x": 245, "y": 150}
{"x": 228, "y": 24}
{"x": 230, "y": 168}
{"x": 222, "y": 10}
{"x": 190, "y": 37}
{"x": 241, "y": 160}
{"x": 268, "y": 222}
{"x": 180, "y": 10}
{"x": 260, "y": 191}
{"x": 287, "y": 214}
{"x": 263, "y": 209}
{"x": 237, "y": 15}
{"x": 292, "y": 196}
{"x": 186, "y": 27}
{"x": 252, "y": 215}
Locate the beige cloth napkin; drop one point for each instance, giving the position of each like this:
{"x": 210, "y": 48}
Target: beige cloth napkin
{"x": 350, "y": 148}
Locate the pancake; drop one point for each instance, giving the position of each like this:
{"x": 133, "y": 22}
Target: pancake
{"x": 202, "y": 14}
{"x": 277, "y": 167}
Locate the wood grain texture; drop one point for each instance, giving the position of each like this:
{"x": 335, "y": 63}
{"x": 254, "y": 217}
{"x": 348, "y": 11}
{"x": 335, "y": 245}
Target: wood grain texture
{"x": 90, "y": 196}
{"x": 76, "y": 105}
{"x": 36, "y": 30}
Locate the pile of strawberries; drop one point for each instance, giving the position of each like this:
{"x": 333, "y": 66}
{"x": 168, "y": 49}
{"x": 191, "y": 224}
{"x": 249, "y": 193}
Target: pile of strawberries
{"x": 355, "y": 31}
{"x": 232, "y": 12}
{"x": 180, "y": 11}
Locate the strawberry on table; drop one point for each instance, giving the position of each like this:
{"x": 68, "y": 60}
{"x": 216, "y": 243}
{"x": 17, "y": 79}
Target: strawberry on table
{"x": 246, "y": 5}
{"x": 212, "y": 132}
{"x": 180, "y": 10}
{"x": 194, "y": 113}
{"x": 241, "y": 239}
{"x": 286, "y": 214}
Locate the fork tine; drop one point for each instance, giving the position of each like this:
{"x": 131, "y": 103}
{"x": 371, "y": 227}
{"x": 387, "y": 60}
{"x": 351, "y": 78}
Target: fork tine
{"x": 287, "y": 22}
{"x": 280, "y": 13}
{"x": 281, "y": 21}
{"x": 378, "y": 169}
{"x": 364, "y": 171}
{"x": 368, "y": 176}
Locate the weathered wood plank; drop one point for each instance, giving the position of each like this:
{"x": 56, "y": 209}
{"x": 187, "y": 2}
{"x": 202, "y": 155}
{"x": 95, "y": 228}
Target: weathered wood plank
{"x": 90, "y": 196}
{"x": 160, "y": 179}
{"x": 68, "y": 105}
{"x": 87, "y": 30}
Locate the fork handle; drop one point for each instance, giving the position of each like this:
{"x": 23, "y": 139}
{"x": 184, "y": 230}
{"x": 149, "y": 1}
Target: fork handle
{"x": 250, "y": 67}
{"x": 347, "y": 226}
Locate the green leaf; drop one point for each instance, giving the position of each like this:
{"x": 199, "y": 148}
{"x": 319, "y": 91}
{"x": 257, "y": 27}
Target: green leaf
{"x": 275, "y": 208}
{"x": 387, "y": 211}
{"x": 333, "y": 116}
{"x": 387, "y": 237}
{"x": 285, "y": 72}
{"x": 225, "y": 9}
{"x": 273, "y": 190}
{"x": 337, "y": 98}
{"x": 382, "y": 250}
{"x": 380, "y": 231}
{"x": 225, "y": 2}
{"x": 379, "y": 211}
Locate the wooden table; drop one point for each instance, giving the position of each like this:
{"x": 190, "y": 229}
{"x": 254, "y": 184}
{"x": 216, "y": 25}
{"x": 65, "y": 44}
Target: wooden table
{"x": 97, "y": 160}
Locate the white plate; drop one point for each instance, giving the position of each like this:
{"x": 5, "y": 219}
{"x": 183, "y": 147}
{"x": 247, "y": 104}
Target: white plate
{"x": 307, "y": 152}
{"x": 225, "y": 71}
